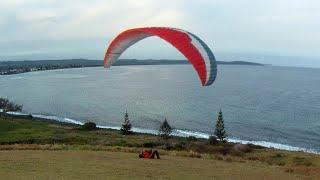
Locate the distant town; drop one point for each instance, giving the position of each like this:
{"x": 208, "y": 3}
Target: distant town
{"x": 17, "y": 67}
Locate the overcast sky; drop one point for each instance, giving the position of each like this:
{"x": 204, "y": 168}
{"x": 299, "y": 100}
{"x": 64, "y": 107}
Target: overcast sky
{"x": 51, "y": 29}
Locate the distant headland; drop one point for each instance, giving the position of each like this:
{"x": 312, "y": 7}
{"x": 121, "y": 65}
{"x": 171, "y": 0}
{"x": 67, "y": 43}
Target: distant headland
{"x": 16, "y": 67}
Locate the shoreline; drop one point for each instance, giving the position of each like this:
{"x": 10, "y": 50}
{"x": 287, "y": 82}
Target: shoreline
{"x": 45, "y": 65}
{"x": 176, "y": 132}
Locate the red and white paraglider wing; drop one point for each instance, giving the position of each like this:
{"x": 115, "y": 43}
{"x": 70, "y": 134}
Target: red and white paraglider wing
{"x": 192, "y": 47}
{"x": 121, "y": 43}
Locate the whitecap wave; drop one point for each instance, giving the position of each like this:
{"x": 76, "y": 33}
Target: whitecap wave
{"x": 16, "y": 113}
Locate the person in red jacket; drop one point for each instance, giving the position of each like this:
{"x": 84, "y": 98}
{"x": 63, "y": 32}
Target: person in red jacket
{"x": 149, "y": 154}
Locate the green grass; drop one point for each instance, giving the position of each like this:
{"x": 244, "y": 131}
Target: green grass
{"x": 23, "y": 131}
{"x": 47, "y": 137}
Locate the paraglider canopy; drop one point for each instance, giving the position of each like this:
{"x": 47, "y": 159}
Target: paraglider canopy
{"x": 191, "y": 46}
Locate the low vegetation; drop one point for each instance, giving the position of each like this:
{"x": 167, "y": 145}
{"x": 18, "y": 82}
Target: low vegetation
{"x": 6, "y": 105}
{"x": 26, "y": 133}
{"x": 89, "y": 126}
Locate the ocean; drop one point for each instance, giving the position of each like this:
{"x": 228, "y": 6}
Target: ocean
{"x": 266, "y": 105}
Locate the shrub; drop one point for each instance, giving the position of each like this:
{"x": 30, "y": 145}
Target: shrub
{"x": 89, "y": 126}
{"x": 229, "y": 159}
{"x": 253, "y": 158}
{"x": 224, "y": 150}
{"x": 252, "y": 146}
{"x": 167, "y": 146}
{"x": 281, "y": 164}
{"x": 240, "y": 149}
{"x": 180, "y": 146}
{"x": 191, "y": 138}
{"x": 6, "y": 105}
{"x": 151, "y": 144}
{"x": 218, "y": 157}
{"x": 301, "y": 161}
{"x": 276, "y": 159}
{"x": 200, "y": 147}
{"x": 213, "y": 140}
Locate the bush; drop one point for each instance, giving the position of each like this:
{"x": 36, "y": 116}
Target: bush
{"x": 89, "y": 126}
{"x": 252, "y": 146}
{"x": 6, "y": 105}
{"x": 30, "y": 116}
{"x": 301, "y": 161}
{"x": 240, "y": 149}
{"x": 180, "y": 146}
{"x": 213, "y": 140}
{"x": 229, "y": 159}
{"x": 224, "y": 150}
{"x": 276, "y": 159}
{"x": 167, "y": 146}
{"x": 218, "y": 157}
{"x": 200, "y": 147}
{"x": 191, "y": 138}
{"x": 151, "y": 144}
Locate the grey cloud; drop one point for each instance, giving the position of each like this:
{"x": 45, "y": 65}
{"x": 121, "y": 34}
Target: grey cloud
{"x": 245, "y": 26}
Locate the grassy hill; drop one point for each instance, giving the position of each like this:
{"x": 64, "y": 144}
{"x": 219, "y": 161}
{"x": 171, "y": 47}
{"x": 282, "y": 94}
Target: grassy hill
{"x": 36, "y": 148}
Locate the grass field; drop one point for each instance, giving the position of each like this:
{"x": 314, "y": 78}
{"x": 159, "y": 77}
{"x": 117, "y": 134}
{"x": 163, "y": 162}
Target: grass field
{"x": 37, "y": 164}
{"x": 31, "y": 148}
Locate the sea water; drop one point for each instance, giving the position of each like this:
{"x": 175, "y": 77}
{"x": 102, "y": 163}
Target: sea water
{"x": 266, "y": 105}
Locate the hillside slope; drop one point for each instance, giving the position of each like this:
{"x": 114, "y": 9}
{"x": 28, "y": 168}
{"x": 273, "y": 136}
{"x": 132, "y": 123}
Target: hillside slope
{"x": 31, "y": 147}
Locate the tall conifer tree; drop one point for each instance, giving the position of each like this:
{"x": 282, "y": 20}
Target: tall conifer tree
{"x": 220, "y": 131}
{"x": 126, "y": 125}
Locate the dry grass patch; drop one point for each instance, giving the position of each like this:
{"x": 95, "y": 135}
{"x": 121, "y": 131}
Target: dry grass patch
{"x": 118, "y": 165}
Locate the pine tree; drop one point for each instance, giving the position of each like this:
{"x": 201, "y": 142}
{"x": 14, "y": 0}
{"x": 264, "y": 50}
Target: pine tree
{"x": 165, "y": 130}
{"x": 126, "y": 125}
{"x": 219, "y": 131}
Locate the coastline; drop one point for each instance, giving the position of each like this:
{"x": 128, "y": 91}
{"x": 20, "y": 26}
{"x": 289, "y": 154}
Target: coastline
{"x": 176, "y": 132}
{"x": 14, "y": 67}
